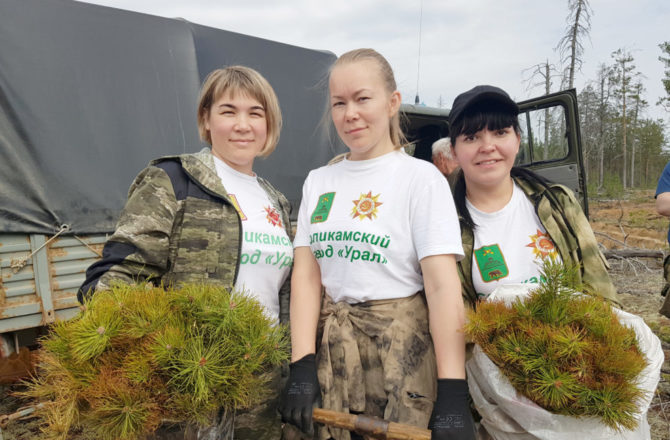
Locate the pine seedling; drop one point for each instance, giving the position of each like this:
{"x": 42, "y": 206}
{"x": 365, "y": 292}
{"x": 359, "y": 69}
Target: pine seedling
{"x": 569, "y": 342}
{"x": 138, "y": 355}
{"x": 613, "y": 402}
{"x": 555, "y": 389}
{"x": 513, "y": 349}
{"x": 166, "y": 343}
{"x": 487, "y": 322}
{"x": 564, "y": 350}
{"x": 198, "y": 368}
{"x": 91, "y": 335}
{"x": 119, "y": 409}
{"x": 144, "y": 314}
{"x": 138, "y": 365}
{"x": 59, "y": 417}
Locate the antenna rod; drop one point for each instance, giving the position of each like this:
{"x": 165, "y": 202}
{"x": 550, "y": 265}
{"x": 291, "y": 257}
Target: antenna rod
{"x": 418, "y": 67}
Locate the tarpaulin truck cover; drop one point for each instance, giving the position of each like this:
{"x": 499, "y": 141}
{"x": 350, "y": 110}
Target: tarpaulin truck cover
{"x": 90, "y": 94}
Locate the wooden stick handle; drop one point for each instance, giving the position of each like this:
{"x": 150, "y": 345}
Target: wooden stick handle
{"x": 371, "y": 426}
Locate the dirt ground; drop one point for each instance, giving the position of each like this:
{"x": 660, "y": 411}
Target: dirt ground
{"x": 630, "y": 223}
{"x": 633, "y": 223}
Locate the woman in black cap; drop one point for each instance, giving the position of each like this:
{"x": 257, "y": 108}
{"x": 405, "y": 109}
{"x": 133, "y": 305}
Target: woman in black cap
{"x": 511, "y": 218}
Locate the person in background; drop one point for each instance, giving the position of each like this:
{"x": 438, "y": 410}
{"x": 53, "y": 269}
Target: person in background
{"x": 663, "y": 208}
{"x": 378, "y": 230}
{"x": 442, "y": 157}
{"x": 511, "y": 218}
{"x": 192, "y": 218}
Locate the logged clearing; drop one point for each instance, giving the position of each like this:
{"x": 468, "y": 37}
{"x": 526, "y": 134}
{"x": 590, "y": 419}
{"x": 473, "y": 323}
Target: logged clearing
{"x": 632, "y": 222}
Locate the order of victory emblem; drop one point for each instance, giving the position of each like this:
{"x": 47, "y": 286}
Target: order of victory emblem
{"x": 542, "y": 245}
{"x": 273, "y": 216}
{"x": 366, "y": 206}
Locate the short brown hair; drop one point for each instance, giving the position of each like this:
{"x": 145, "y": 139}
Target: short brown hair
{"x": 240, "y": 79}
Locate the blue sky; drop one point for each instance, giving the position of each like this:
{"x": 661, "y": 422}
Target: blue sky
{"x": 463, "y": 43}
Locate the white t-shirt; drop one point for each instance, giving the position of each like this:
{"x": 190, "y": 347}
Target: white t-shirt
{"x": 267, "y": 252}
{"x": 509, "y": 245}
{"x": 370, "y": 222}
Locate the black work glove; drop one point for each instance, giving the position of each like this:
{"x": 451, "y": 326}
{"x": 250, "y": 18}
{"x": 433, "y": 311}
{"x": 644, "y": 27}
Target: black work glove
{"x": 301, "y": 394}
{"x": 451, "y": 418}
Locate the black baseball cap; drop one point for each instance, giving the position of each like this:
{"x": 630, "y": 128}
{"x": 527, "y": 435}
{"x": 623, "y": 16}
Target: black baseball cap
{"x": 478, "y": 94}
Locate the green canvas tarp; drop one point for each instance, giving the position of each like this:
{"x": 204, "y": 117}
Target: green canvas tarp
{"x": 90, "y": 94}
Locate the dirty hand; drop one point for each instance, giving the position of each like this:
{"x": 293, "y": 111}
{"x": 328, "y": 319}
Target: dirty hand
{"x": 451, "y": 418}
{"x": 301, "y": 394}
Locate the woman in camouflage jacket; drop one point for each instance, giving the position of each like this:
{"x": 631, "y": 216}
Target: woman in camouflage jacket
{"x": 562, "y": 216}
{"x": 511, "y": 219}
{"x": 207, "y": 218}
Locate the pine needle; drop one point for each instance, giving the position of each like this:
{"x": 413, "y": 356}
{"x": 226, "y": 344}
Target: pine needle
{"x": 564, "y": 350}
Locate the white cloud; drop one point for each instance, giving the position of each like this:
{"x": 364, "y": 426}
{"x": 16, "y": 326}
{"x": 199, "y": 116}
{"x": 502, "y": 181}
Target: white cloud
{"x": 463, "y": 43}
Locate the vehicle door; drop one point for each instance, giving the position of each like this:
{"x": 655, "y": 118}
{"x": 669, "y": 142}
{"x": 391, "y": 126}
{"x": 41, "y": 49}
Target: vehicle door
{"x": 550, "y": 137}
{"x": 551, "y": 141}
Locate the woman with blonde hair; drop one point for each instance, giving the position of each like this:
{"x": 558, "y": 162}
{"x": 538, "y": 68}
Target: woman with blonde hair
{"x": 378, "y": 230}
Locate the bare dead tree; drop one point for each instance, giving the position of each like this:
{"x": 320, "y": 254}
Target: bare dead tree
{"x": 622, "y": 76}
{"x": 541, "y": 74}
{"x": 665, "y": 50}
{"x": 604, "y": 92}
{"x": 570, "y": 46}
{"x": 640, "y": 104}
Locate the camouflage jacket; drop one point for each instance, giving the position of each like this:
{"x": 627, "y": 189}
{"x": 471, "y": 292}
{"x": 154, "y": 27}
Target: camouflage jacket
{"x": 561, "y": 215}
{"x": 179, "y": 226}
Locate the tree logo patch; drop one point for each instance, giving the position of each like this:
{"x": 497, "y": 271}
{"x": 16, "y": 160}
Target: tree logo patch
{"x": 323, "y": 207}
{"x": 491, "y": 263}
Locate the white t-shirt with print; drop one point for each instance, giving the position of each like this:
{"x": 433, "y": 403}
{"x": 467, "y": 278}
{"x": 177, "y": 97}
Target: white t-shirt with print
{"x": 509, "y": 245}
{"x": 370, "y": 222}
{"x": 267, "y": 252}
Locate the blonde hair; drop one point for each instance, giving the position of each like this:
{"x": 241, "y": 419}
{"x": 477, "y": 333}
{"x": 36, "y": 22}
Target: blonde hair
{"x": 247, "y": 81}
{"x": 397, "y": 136}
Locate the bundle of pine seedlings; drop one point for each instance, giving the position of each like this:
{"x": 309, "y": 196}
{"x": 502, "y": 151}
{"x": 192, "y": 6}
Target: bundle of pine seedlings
{"x": 139, "y": 355}
{"x": 566, "y": 352}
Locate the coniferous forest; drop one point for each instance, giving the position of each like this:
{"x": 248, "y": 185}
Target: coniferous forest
{"x": 623, "y": 147}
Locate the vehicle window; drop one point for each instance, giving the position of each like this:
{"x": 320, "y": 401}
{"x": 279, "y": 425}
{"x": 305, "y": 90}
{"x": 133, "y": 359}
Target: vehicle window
{"x": 543, "y": 135}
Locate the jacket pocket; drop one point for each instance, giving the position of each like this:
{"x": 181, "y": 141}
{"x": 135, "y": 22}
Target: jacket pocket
{"x": 199, "y": 233}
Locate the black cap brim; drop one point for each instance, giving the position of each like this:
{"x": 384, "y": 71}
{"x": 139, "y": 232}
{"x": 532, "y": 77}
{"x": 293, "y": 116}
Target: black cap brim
{"x": 478, "y": 94}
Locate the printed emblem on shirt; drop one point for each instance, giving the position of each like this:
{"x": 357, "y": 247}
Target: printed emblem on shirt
{"x": 366, "y": 206}
{"x": 236, "y": 204}
{"x": 273, "y": 216}
{"x": 542, "y": 246}
{"x": 322, "y": 209}
{"x": 491, "y": 263}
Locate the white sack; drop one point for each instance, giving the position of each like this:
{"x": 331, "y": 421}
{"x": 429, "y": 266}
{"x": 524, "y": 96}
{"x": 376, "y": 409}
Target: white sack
{"x": 507, "y": 415}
